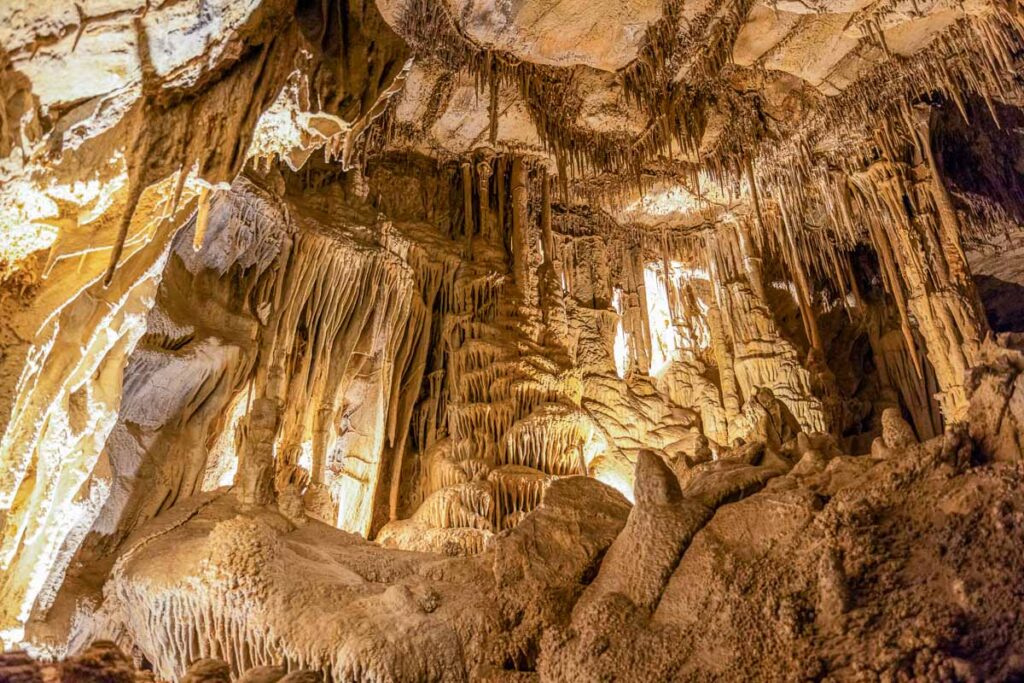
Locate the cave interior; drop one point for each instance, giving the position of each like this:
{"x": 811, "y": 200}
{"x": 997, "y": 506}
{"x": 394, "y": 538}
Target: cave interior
{"x": 511, "y": 340}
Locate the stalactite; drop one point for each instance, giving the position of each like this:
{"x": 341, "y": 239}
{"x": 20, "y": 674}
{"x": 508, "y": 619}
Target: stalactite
{"x": 467, "y": 204}
{"x": 949, "y": 220}
{"x": 483, "y": 173}
{"x": 731, "y": 399}
{"x": 804, "y": 292}
{"x": 135, "y": 189}
{"x": 545, "y": 218}
{"x": 375, "y": 347}
{"x": 518, "y": 491}
{"x": 751, "y": 258}
{"x": 494, "y": 86}
{"x": 502, "y": 184}
{"x": 202, "y": 219}
{"x": 520, "y": 244}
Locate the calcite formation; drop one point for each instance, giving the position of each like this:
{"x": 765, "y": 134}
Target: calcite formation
{"x": 409, "y": 340}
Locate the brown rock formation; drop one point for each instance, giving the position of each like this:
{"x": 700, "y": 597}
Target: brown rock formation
{"x": 500, "y": 340}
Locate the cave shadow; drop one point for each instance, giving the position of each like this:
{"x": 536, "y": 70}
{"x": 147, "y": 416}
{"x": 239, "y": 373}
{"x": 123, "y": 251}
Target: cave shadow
{"x": 1003, "y": 302}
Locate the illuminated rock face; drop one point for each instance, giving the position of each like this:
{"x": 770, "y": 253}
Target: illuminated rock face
{"x": 479, "y": 340}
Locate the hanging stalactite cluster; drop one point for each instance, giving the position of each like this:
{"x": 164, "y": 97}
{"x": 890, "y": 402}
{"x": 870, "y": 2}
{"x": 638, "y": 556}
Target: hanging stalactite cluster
{"x": 717, "y": 264}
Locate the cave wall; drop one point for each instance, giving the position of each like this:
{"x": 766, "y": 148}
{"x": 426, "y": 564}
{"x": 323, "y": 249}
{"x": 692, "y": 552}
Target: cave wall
{"x": 400, "y": 268}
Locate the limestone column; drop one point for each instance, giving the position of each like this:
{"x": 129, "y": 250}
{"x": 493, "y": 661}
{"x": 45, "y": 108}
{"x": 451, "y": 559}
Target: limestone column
{"x": 940, "y": 293}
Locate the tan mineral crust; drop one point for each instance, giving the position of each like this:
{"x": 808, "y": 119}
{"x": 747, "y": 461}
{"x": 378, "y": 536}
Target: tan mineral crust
{"x": 511, "y": 340}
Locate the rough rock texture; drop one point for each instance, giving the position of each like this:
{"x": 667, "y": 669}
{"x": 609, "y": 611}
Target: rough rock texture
{"x": 851, "y": 572}
{"x": 506, "y": 339}
{"x": 320, "y": 598}
{"x": 783, "y": 579}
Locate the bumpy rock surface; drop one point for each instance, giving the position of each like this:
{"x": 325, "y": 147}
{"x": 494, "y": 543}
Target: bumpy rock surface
{"x": 418, "y": 340}
{"x": 786, "y": 581}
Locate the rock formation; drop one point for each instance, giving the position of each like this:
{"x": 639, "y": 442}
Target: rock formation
{"x": 420, "y": 340}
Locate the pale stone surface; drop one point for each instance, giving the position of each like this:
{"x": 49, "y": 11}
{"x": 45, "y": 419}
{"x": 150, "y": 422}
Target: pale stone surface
{"x": 567, "y": 32}
{"x": 510, "y": 340}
